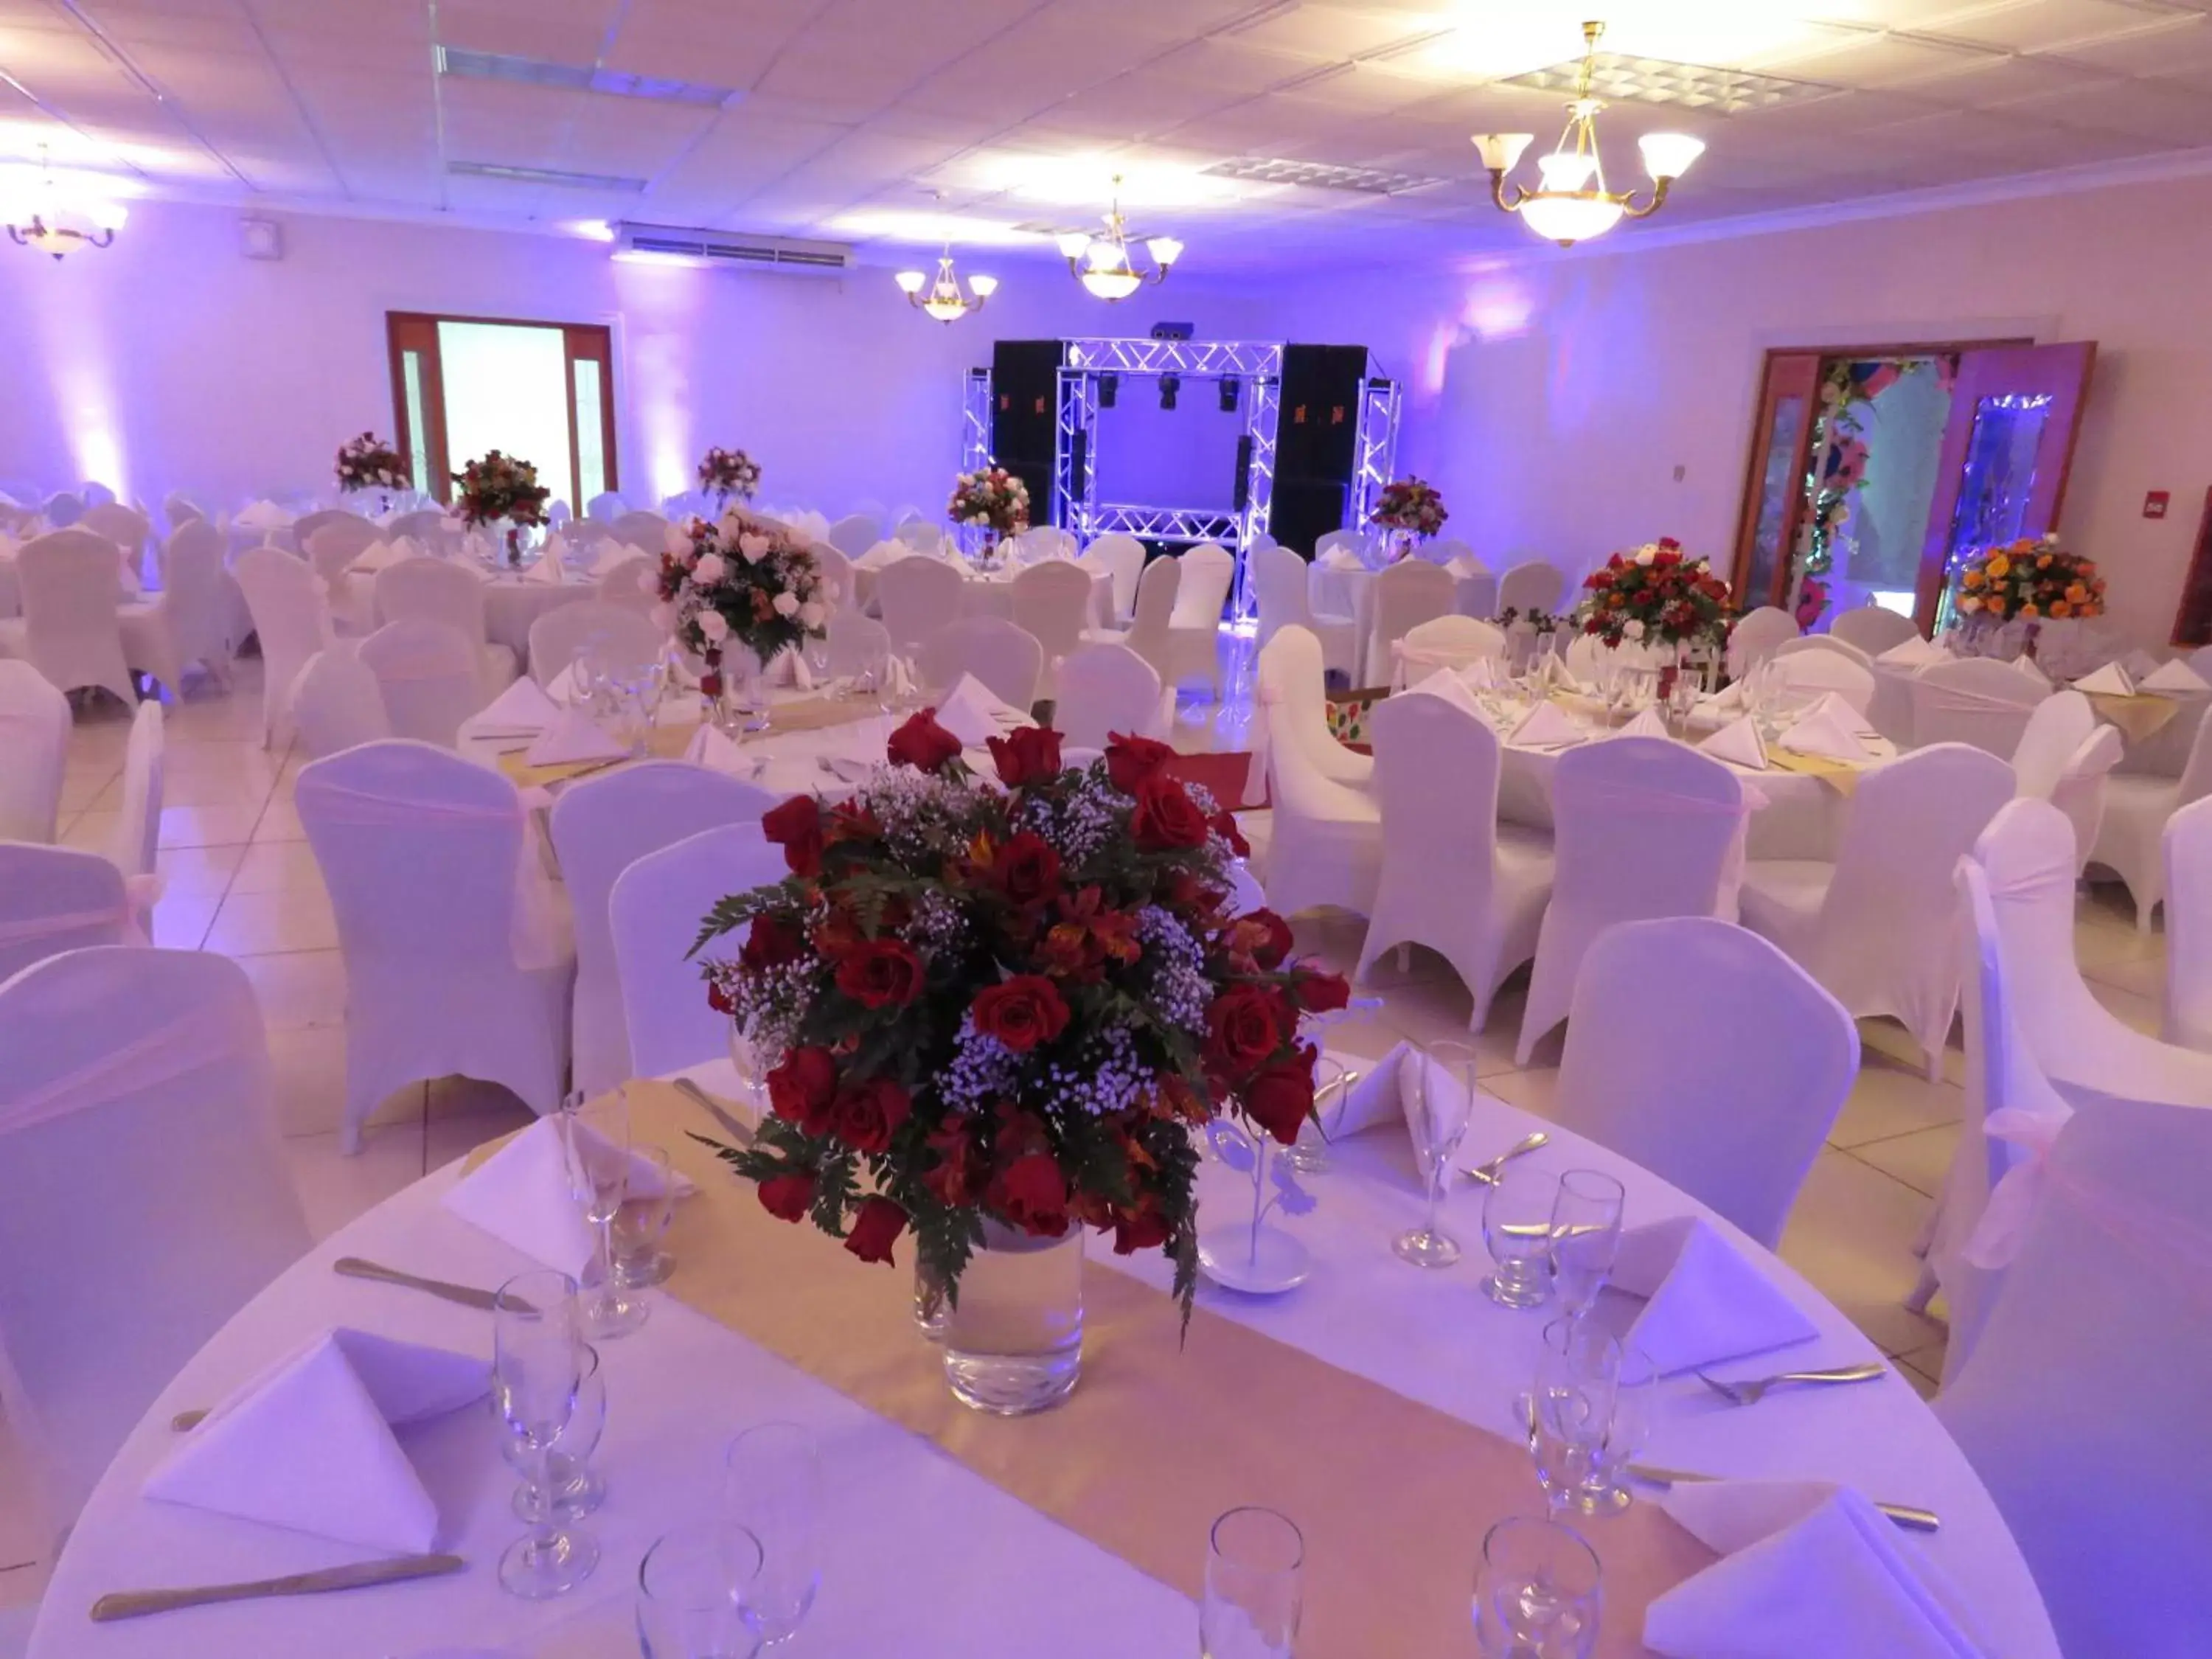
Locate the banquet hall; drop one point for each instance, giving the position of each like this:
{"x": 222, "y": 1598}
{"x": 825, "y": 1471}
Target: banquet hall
{"x": 1496, "y": 937}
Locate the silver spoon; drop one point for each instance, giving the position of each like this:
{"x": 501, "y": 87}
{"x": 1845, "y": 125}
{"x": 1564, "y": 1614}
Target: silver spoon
{"x": 1487, "y": 1173}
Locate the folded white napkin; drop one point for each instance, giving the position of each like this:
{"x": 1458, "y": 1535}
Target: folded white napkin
{"x": 378, "y": 556}
{"x": 1559, "y": 677}
{"x": 1377, "y": 1098}
{"x": 1739, "y": 743}
{"x": 264, "y": 515}
{"x": 1646, "y": 725}
{"x": 561, "y": 689}
{"x": 2174, "y": 676}
{"x": 521, "y": 708}
{"x": 523, "y": 1194}
{"x": 2113, "y": 678}
{"x": 1807, "y": 1570}
{"x": 2027, "y": 669}
{"x": 1826, "y": 728}
{"x": 547, "y": 569}
{"x": 710, "y": 747}
{"x": 1545, "y": 724}
{"x": 1703, "y": 1303}
{"x": 790, "y": 669}
{"x": 405, "y": 546}
{"x": 574, "y": 735}
{"x": 2139, "y": 664}
{"x": 1915, "y": 653}
{"x": 1729, "y": 699}
{"x": 612, "y": 553}
{"x": 308, "y": 1443}
{"x": 1453, "y": 690}
{"x": 1460, "y": 565}
{"x": 971, "y": 713}
{"x": 1341, "y": 558}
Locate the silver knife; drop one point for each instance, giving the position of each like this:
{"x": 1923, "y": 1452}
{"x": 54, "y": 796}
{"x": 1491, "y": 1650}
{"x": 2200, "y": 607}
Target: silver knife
{"x": 353, "y": 1266}
{"x": 1905, "y": 1514}
{"x": 731, "y": 1126}
{"x": 135, "y": 1604}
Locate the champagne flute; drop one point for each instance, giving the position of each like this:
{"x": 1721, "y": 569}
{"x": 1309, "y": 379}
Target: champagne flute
{"x": 538, "y": 1372}
{"x": 1585, "y": 1236}
{"x": 576, "y": 1491}
{"x": 1440, "y": 1097}
{"x": 595, "y": 1145}
{"x": 773, "y": 1487}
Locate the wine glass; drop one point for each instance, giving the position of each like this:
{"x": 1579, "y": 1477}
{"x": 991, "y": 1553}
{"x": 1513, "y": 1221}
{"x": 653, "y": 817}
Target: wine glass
{"x": 693, "y": 1588}
{"x": 1570, "y": 1409}
{"x": 815, "y": 650}
{"x": 1627, "y": 1431}
{"x": 1585, "y": 1236}
{"x": 595, "y": 1147}
{"x": 649, "y": 1206}
{"x": 538, "y": 1371}
{"x": 1536, "y": 1592}
{"x": 1254, "y": 1588}
{"x": 576, "y": 1491}
{"x": 772, "y": 1486}
{"x": 1516, "y": 1226}
{"x": 1440, "y": 1098}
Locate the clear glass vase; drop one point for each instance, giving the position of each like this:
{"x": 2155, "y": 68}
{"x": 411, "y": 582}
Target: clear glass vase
{"x": 1013, "y": 1339}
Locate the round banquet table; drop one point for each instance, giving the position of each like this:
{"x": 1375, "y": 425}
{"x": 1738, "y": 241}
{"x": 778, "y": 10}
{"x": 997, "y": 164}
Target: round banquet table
{"x": 991, "y": 594}
{"x": 510, "y": 603}
{"x": 915, "y": 1544}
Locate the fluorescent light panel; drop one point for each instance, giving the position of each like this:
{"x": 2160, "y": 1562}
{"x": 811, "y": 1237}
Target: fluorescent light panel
{"x": 1321, "y": 175}
{"x": 1623, "y": 79}
{"x": 580, "y": 77}
{"x": 545, "y": 176}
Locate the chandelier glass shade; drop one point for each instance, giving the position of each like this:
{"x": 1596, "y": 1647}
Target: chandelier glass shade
{"x": 1108, "y": 264}
{"x": 1571, "y": 203}
{"x": 942, "y": 298}
{"x": 56, "y": 216}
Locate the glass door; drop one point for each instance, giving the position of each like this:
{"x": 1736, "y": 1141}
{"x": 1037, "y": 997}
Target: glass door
{"x": 1774, "y": 481}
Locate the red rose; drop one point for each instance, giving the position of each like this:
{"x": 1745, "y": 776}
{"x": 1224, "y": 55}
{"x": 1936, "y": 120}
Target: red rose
{"x": 786, "y": 1197}
{"x": 1026, "y": 869}
{"x": 796, "y": 827}
{"x": 1021, "y": 1011}
{"x": 802, "y": 1089}
{"x": 922, "y": 744}
{"x": 1028, "y": 754}
{"x": 771, "y": 943}
{"x": 1130, "y": 761}
{"x": 1166, "y": 817}
{"x": 867, "y": 1114}
{"x": 956, "y": 1177}
{"x": 1273, "y": 950}
{"x": 878, "y": 972}
{"x": 1280, "y": 1098}
{"x": 1244, "y": 1027}
{"x": 1142, "y": 1229}
{"x": 1031, "y": 1193}
{"x": 876, "y": 1229}
{"x": 1320, "y": 993}
{"x": 1223, "y": 824}
{"x": 719, "y": 999}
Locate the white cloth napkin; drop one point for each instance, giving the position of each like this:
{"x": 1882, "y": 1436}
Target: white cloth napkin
{"x": 561, "y": 689}
{"x": 710, "y": 747}
{"x": 1341, "y": 558}
{"x": 881, "y": 554}
{"x": 790, "y": 669}
{"x": 1559, "y": 677}
{"x": 574, "y": 735}
{"x": 1826, "y": 728}
{"x": 2112, "y": 678}
{"x": 612, "y": 553}
{"x": 547, "y": 569}
{"x": 2026, "y": 668}
{"x": 378, "y": 556}
{"x": 264, "y": 515}
{"x": 1729, "y": 699}
{"x": 308, "y": 1443}
{"x": 1545, "y": 724}
{"x": 1377, "y": 1098}
{"x": 1453, "y": 690}
{"x": 1646, "y": 725}
{"x": 521, "y": 708}
{"x": 1807, "y": 1570}
{"x": 1915, "y": 653}
{"x": 2174, "y": 676}
{"x": 971, "y": 713}
{"x": 523, "y": 1194}
{"x": 1703, "y": 1303}
{"x": 1739, "y": 743}
{"x": 1460, "y": 565}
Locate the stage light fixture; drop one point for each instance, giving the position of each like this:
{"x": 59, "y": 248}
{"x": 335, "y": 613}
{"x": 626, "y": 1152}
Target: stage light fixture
{"x": 1109, "y": 388}
{"x": 1230, "y": 390}
{"x": 1169, "y": 385}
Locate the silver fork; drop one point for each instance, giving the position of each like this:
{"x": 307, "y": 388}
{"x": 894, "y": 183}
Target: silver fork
{"x": 1750, "y": 1393}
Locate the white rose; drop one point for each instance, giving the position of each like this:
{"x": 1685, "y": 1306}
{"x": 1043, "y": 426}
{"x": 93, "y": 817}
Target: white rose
{"x": 730, "y": 528}
{"x": 709, "y": 570}
{"x": 664, "y": 617}
{"x": 812, "y": 616}
{"x": 1645, "y": 555}
{"x": 675, "y": 540}
{"x": 786, "y": 604}
{"x": 1632, "y": 629}
{"x": 714, "y": 626}
{"x": 752, "y": 547}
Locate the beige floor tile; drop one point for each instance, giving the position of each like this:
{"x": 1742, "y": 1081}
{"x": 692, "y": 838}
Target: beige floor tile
{"x": 277, "y": 866}
{"x": 334, "y": 1189}
{"x": 209, "y": 826}
{"x": 1886, "y": 1036}
{"x": 308, "y": 1071}
{"x": 1923, "y": 1382}
{"x": 2142, "y": 976}
{"x": 1892, "y": 1098}
{"x": 1928, "y": 1360}
{"x": 24, "y": 1541}
{"x": 250, "y": 924}
{"x": 92, "y": 830}
{"x": 469, "y": 1096}
{"x": 1437, "y": 1010}
{"x": 299, "y": 989}
{"x": 280, "y": 823}
{"x": 1920, "y": 1159}
{"x": 181, "y": 922}
{"x": 210, "y": 789}
{"x": 84, "y": 781}
{"x": 1534, "y": 1090}
{"x": 2138, "y": 1010}
{"x": 198, "y": 871}
{"x": 1851, "y": 1234}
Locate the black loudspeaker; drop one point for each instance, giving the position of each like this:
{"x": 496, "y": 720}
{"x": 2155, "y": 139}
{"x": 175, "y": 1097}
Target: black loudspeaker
{"x": 1317, "y": 433}
{"x": 1024, "y": 406}
{"x": 1243, "y": 471}
{"x": 1300, "y": 510}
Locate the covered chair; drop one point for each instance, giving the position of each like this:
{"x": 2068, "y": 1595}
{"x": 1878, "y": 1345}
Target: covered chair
{"x": 1278, "y": 582}
{"x": 641, "y": 529}
{"x": 438, "y": 590}
{"x": 54, "y": 899}
{"x": 69, "y": 582}
{"x": 1447, "y": 642}
{"x": 1873, "y": 629}
{"x": 620, "y": 633}
{"x": 457, "y": 953}
{"x": 1193, "y": 643}
{"x": 1122, "y": 558}
{"x": 2056, "y": 728}
{"x": 1450, "y": 879}
{"x": 1705, "y": 1054}
{"x": 34, "y": 734}
{"x": 1642, "y": 828}
{"x": 291, "y": 613}
{"x": 1147, "y": 633}
{"x": 430, "y": 678}
{"x": 1810, "y": 674}
{"x": 2137, "y": 808}
{"x": 1105, "y": 689}
{"x": 1326, "y": 846}
{"x": 2188, "y": 848}
{"x": 1756, "y": 634}
{"x": 138, "y": 835}
{"x": 1533, "y": 584}
{"x": 1052, "y": 604}
{"x": 1007, "y": 659}
{"x": 188, "y": 622}
{"x": 127, "y": 527}
{"x": 632, "y": 583}
{"x": 337, "y": 702}
{"x": 331, "y": 548}
{"x": 1976, "y": 700}
{"x": 2080, "y": 790}
{"x": 917, "y": 596}
{"x": 1879, "y": 926}
{"x": 1407, "y": 594}
{"x": 859, "y": 645}
{"x": 856, "y": 533}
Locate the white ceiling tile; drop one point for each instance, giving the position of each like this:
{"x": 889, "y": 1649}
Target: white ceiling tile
{"x": 2043, "y": 25}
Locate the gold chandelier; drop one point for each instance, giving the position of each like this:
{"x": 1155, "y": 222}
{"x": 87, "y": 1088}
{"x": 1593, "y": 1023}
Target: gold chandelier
{"x": 943, "y": 299}
{"x": 1571, "y": 203}
{"x": 1107, "y": 265}
{"x": 54, "y": 217}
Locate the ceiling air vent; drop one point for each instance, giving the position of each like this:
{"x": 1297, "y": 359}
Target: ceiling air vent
{"x": 734, "y": 248}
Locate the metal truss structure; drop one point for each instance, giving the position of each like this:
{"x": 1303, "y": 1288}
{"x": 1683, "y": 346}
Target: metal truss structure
{"x": 976, "y": 427}
{"x": 1375, "y": 449}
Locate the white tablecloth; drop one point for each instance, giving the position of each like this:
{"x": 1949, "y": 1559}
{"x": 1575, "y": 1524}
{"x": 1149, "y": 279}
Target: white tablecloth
{"x": 916, "y": 1548}
{"x": 991, "y": 595}
{"x": 511, "y": 604}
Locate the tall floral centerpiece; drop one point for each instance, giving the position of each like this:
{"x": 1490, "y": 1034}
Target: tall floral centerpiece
{"x": 1407, "y": 510}
{"x": 502, "y": 493}
{"x": 2030, "y": 581}
{"x": 1657, "y": 596}
{"x": 742, "y": 582}
{"x": 991, "y": 500}
{"x": 995, "y": 1013}
{"x": 369, "y": 463}
{"x": 729, "y": 473}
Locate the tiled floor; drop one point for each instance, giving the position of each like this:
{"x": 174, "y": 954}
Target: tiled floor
{"x": 241, "y": 880}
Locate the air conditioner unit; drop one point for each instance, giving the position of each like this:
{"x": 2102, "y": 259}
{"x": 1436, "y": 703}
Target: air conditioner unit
{"x": 732, "y": 249}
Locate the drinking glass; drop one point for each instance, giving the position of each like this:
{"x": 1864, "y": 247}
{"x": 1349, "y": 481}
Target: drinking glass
{"x": 1516, "y": 1226}
{"x": 815, "y": 650}
{"x": 576, "y": 1489}
{"x": 1254, "y": 1589}
{"x": 538, "y": 1371}
{"x": 1628, "y": 1431}
{"x": 583, "y": 676}
{"x": 1571, "y": 1409}
{"x": 1536, "y": 1592}
{"x": 1682, "y": 696}
{"x": 1441, "y": 1096}
{"x": 693, "y": 1589}
{"x": 649, "y": 1206}
{"x": 1585, "y": 1236}
{"x": 595, "y": 1144}
{"x": 1309, "y": 1154}
{"x": 772, "y": 1482}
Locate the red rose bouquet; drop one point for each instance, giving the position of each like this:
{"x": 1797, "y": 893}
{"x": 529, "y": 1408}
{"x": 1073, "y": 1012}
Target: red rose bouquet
{"x": 742, "y": 581}
{"x": 369, "y": 463}
{"x": 1409, "y": 504}
{"x": 1016, "y": 1002}
{"x": 990, "y": 498}
{"x": 726, "y": 472}
{"x": 1657, "y": 595}
{"x": 495, "y": 487}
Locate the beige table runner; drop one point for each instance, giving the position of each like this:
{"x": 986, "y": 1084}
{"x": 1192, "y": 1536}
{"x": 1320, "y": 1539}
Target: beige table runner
{"x": 2139, "y": 716}
{"x": 1394, "y": 1498}
{"x": 1842, "y": 776}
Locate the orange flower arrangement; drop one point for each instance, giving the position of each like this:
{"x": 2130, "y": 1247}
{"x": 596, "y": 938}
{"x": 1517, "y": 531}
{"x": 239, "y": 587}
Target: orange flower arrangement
{"x": 2027, "y": 579}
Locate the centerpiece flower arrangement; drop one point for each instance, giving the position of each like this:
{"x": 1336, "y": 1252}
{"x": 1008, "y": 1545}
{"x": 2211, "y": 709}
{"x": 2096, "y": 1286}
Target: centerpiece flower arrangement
{"x": 500, "y": 490}
{"x": 741, "y": 581}
{"x": 724, "y": 473}
{"x": 1011, "y": 1003}
{"x": 2026, "y": 579}
{"x": 1410, "y": 505}
{"x": 991, "y": 499}
{"x": 1655, "y": 595}
{"x": 369, "y": 463}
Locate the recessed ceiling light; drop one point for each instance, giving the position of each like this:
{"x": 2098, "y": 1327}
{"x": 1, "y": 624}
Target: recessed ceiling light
{"x": 1321, "y": 175}
{"x": 1623, "y": 79}
{"x": 580, "y": 77}
{"x": 545, "y": 176}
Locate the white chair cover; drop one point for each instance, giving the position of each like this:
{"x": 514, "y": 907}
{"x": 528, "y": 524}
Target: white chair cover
{"x": 135, "y": 849}
{"x": 2187, "y": 849}
{"x": 437, "y": 590}
{"x": 2108, "y": 1495}
{"x": 69, "y": 581}
{"x": 1872, "y": 629}
{"x": 1279, "y": 584}
{"x": 1193, "y": 643}
{"x": 127, "y": 528}
{"x": 1105, "y": 689}
{"x": 189, "y": 621}
{"x": 922, "y": 535}
{"x": 330, "y": 548}
{"x": 606, "y": 506}
{"x": 1147, "y": 633}
{"x": 54, "y": 899}
{"x": 1642, "y": 828}
{"x": 1007, "y": 659}
{"x": 337, "y": 702}
{"x": 1806, "y": 642}
{"x": 1407, "y": 594}
{"x": 1879, "y": 926}
{"x": 143, "y": 1197}
{"x": 1449, "y": 879}
{"x": 1810, "y": 674}
{"x": 1756, "y": 634}
{"x": 1533, "y": 585}
{"x": 1976, "y": 700}
{"x": 1326, "y": 846}
{"x": 619, "y": 632}
{"x": 641, "y": 529}
{"x": 917, "y": 596}
{"x": 2079, "y": 791}
{"x": 1122, "y": 558}
{"x": 838, "y": 585}
{"x": 62, "y": 508}
{"x": 601, "y": 826}
{"x": 430, "y": 677}
{"x": 858, "y": 645}
{"x": 429, "y": 526}
{"x": 458, "y": 955}
{"x": 632, "y": 584}
{"x": 656, "y": 909}
{"x": 2057, "y": 727}
{"x": 1052, "y": 604}
{"x": 2137, "y": 808}
{"x": 34, "y": 734}
{"x": 291, "y": 617}
{"x": 1707, "y": 1056}
{"x": 1451, "y": 641}
{"x": 856, "y": 533}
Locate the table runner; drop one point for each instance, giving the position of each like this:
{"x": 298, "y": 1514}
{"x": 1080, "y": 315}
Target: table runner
{"x": 1842, "y": 776}
{"x": 667, "y": 742}
{"x": 1394, "y": 1498}
{"x": 2139, "y": 716}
